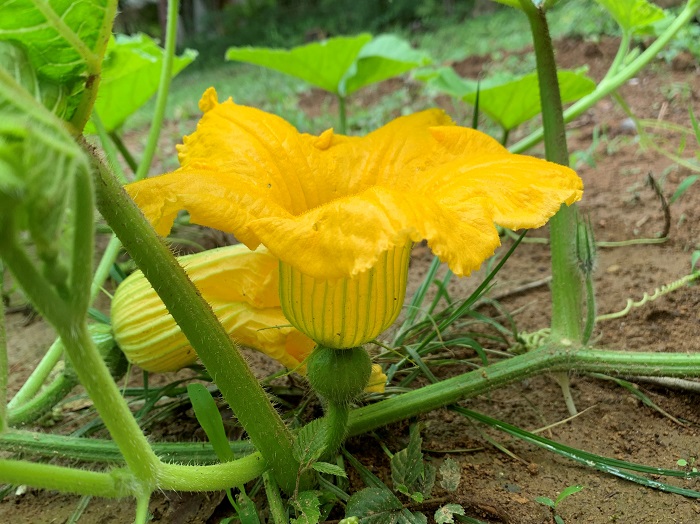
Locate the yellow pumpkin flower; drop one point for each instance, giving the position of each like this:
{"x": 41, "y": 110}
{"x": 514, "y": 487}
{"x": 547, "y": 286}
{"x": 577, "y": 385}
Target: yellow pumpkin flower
{"x": 342, "y": 212}
{"x": 241, "y": 287}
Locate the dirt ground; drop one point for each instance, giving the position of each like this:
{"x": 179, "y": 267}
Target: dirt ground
{"x": 495, "y": 487}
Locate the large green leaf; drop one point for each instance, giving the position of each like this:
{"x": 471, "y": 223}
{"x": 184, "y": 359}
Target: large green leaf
{"x": 511, "y": 102}
{"x": 632, "y": 15}
{"x": 323, "y": 64}
{"x": 63, "y": 39}
{"x": 386, "y": 56}
{"x": 59, "y": 35}
{"x": 130, "y": 76}
{"x": 339, "y": 65}
{"x": 39, "y": 161}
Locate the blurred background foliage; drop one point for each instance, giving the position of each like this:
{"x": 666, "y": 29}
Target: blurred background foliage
{"x": 211, "y": 26}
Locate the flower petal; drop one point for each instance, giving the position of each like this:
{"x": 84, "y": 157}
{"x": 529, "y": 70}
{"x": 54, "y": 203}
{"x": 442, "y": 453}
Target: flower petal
{"x": 347, "y": 236}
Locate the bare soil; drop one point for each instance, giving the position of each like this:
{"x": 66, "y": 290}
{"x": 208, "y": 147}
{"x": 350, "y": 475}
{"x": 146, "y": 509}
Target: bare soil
{"x": 496, "y": 487}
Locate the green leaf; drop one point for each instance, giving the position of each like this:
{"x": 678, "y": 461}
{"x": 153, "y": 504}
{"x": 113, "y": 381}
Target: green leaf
{"x": 339, "y": 65}
{"x": 510, "y": 102}
{"x": 426, "y": 482}
{"x": 53, "y": 95}
{"x": 323, "y": 64}
{"x": 39, "y": 162}
{"x": 63, "y": 39}
{"x": 567, "y": 493}
{"x": 246, "y": 509}
{"x": 331, "y": 469}
{"x": 307, "y": 506}
{"x": 694, "y": 259}
{"x": 60, "y": 35}
{"x": 451, "y": 474}
{"x": 412, "y": 517}
{"x": 374, "y": 506}
{"x": 130, "y": 76}
{"x": 445, "y": 514}
{"x": 407, "y": 464}
{"x": 694, "y": 122}
{"x": 310, "y": 442}
{"x": 546, "y": 501}
{"x": 209, "y": 418}
{"x": 683, "y": 187}
{"x": 386, "y": 56}
{"x": 632, "y": 15}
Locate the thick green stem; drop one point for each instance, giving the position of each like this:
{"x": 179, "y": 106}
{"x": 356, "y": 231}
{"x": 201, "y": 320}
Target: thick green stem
{"x": 336, "y": 424}
{"x": 613, "y": 82}
{"x": 211, "y": 478}
{"x": 567, "y": 285}
{"x": 142, "y": 501}
{"x": 117, "y": 483}
{"x": 553, "y": 358}
{"x": 163, "y": 89}
{"x": 201, "y": 327}
{"x": 342, "y": 115}
{"x": 97, "y": 381}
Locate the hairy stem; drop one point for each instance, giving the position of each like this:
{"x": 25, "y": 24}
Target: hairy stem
{"x": 117, "y": 483}
{"x": 336, "y": 423}
{"x": 567, "y": 286}
{"x": 550, "y": 358}
{"x": 211, "y": 478}
{"x": 102, "y": 450}
{"x": 197, "y": 321}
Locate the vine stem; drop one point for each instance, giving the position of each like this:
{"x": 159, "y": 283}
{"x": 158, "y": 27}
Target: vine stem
{"x": 613, "y": 82}
{"x": 567, "y": 284}
{"x": 163, "y": 90}
{"x": 35, "y": 407}
{"x": 199, "y": 324}
{"x": 117, "y": 483}
{"x": 33, "y": 384}
{"x": 550, "y": 358}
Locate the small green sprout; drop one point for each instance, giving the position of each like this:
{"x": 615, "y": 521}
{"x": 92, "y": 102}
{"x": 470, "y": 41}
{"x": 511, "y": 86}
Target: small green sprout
{"x": 553, "y": 504}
